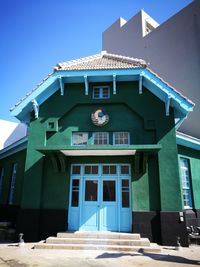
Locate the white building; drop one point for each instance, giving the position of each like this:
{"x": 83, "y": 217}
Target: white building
{"x": 172, "y": 49}
{"x": 10, "y": 132}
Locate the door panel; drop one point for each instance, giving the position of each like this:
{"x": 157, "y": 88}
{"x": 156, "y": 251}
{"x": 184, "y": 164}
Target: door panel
{"x": 90, "y": 208}
{"x": 109, "y": 211}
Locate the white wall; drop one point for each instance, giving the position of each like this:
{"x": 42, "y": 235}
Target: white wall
{"x": 172, "y": 49}
{"x": 11, "y": 132}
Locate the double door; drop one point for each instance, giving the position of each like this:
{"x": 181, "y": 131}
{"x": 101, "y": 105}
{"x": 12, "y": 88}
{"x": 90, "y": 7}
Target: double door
{"x": 100, "y": 197}
{"x": 100, "y": 204}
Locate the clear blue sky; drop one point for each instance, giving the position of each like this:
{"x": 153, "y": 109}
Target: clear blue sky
{"x": 37, "y": 34}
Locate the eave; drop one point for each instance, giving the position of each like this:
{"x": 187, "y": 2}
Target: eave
{"x": 14, "y": 148}
{"x": 153, "y": 83}
{"x": 187, "y": 141}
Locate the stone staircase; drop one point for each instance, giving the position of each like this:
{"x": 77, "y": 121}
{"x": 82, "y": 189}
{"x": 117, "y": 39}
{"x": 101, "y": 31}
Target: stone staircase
{"x": 109, "y": 241}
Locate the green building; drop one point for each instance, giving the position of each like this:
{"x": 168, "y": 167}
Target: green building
{"x": 102, "y": 154}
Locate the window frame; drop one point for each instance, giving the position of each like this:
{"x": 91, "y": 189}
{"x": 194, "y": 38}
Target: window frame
{"x": 100, "y": 88}
{"x": 93, "y": 138}
{"x": 189, "y": 187}
{"x": 114, "y": 138}
{"x": 73, "y": 133}
{"x": 129, "y": 169}
{"x": 2, "y": 170}
{"x": 12, "y": 183}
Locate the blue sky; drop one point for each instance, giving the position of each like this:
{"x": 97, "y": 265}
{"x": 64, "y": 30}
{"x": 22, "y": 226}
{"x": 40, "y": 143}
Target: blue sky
{"x": 37, "y": 34}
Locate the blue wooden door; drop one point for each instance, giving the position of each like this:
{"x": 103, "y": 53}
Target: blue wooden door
{"x": 100, "y": 197}
{"x": 90, "y": 205}
{"x": 108, "y": 205}
{"x": 99, "y": 206}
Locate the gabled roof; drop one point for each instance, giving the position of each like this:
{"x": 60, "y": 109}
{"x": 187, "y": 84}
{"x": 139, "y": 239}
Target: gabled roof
{"x": 102, "y": 67}
{"x": 101, "y": 61}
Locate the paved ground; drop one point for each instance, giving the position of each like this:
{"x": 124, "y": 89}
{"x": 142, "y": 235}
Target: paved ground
{"x": 14, "y": 256}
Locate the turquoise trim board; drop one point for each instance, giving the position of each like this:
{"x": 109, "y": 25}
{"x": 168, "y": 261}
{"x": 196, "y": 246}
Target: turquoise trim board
{"x": 182, "y": 139}
{"x": 188, "y": 141}
{"x": 150, "y": 81}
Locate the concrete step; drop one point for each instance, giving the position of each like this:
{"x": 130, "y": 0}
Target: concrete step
{"x": 97, "y": 235}
{"x": 4, "y": 225}
{"x": 99, "y": 241}
{"x": 105, "y": 241}
{"x": 152, "y": 249}
{"x": 7, "y": 234}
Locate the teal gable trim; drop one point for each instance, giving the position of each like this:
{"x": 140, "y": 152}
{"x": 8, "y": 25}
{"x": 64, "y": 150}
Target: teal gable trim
{"x": 14, "y": 148}
{"x": 153, "y": 83}
{"x": 161, "y": 89}
{"x": 187, "y": 141}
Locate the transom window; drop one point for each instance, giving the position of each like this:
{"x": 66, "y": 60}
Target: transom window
{"x": 91, "y": 169}
{"x": 186, "y": 188}
{"x": 101, "y": 92}
{"x": 109, "y": 169}
{"x": 125, "y": 169}
{"x": 121, "y": 138}
{"x": 76, "y": 169}
{"x": 79, "y": 138}
{"x": 100, "y": 138}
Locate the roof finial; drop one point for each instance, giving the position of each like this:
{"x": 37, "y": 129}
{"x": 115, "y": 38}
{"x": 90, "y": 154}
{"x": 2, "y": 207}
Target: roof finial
{"x": 104, "y": 52}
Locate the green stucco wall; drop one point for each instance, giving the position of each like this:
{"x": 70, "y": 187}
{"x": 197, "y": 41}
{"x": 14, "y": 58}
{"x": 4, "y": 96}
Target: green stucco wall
{"x": 7, "y": 164}
{"x": 194, "y": 159}
{"x": 158, "y": 187}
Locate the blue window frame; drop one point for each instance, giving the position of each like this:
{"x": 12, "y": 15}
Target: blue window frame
{"x": 100, "y": 138}
{"x": 101, "y": 92}
{"x": 79, "y": 138}
{"x": 186, "y": 183}
{"x": 1, "y": 178}
{"x": 12, "y": 183}
{"x": 121, "y": 138}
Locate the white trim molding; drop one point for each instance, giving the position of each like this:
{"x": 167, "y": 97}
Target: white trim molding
{"x": 187, "y": 140}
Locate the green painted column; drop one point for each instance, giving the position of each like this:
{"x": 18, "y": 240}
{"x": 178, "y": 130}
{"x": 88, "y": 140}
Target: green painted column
{"x": 29, "y": 218}
{"x": 170, "y": 193}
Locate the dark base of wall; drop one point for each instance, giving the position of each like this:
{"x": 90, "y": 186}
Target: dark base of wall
{"x": 52, "y": 222}
{"x": 172, "y": 228}
{"x": 161, "y": 227}
{"x": 9, "y": 213}
{"x": 148, "y": 225}
{"x": 192, "y": 217}
{"x": 40, "y": 224}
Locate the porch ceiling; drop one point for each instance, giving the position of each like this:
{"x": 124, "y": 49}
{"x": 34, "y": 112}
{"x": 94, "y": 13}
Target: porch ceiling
{"x": 100, "y": 152}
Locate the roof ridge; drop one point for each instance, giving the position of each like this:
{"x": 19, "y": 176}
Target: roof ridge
{"x": 102, "y": 54}
{"x": 126, "y": 58}
{"x": 79, "y": 60}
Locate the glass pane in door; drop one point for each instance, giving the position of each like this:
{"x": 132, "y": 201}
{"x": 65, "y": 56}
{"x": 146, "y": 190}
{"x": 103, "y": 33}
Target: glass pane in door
{"x": 125, "y": 194}
{"x": 91, "y": 189}
{"x": 109, "y": 193}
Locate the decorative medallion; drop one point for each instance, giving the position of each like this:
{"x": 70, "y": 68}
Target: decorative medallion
{"x": 100, "y": 117}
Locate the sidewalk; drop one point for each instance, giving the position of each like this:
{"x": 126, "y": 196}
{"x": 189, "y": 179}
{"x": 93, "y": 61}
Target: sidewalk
{"x": 13, "y": 256}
